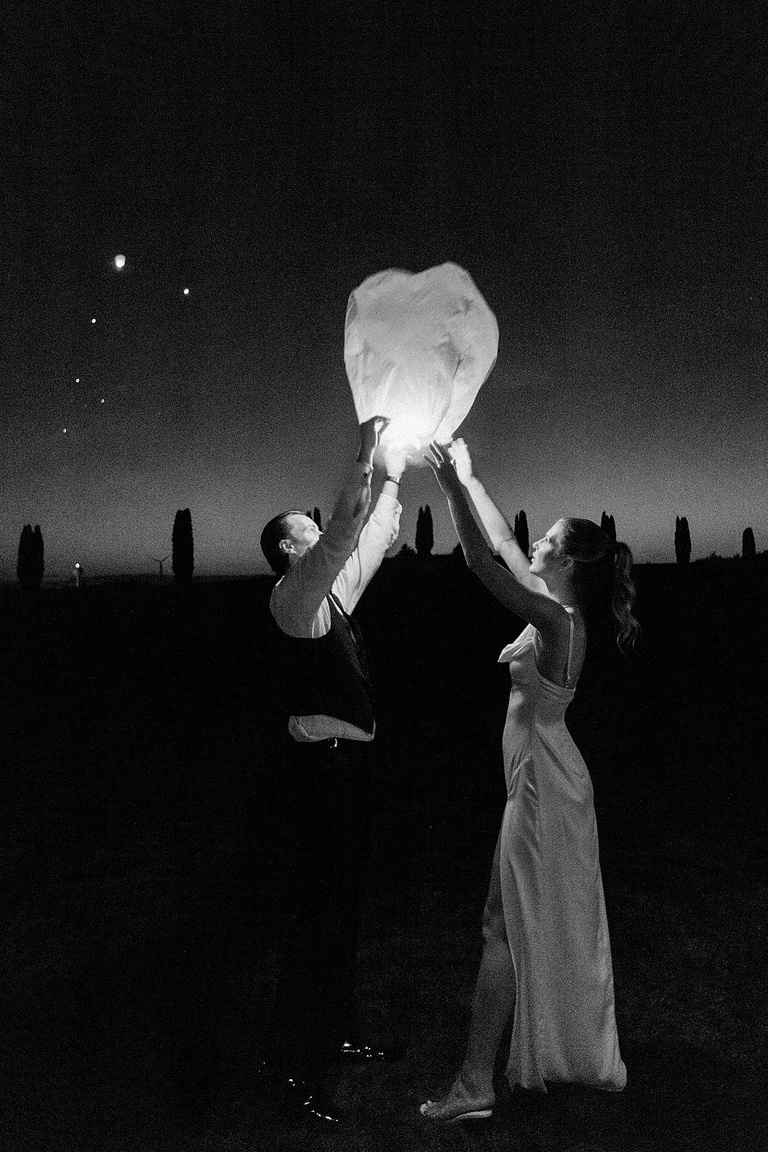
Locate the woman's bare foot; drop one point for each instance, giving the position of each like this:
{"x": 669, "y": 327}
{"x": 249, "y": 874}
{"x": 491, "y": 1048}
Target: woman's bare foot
{"x": 460, "y": 1104}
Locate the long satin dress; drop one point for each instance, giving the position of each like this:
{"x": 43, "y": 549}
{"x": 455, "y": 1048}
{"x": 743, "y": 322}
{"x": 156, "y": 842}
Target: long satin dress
{"x": 564, "y": 1026}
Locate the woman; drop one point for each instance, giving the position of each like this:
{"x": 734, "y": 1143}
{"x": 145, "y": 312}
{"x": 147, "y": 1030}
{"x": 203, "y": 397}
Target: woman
{"x": 546, "y": 951}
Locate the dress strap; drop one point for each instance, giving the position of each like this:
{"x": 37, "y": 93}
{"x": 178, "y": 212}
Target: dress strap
{"x": 570, "y": 651}
{"x": 333, "y": 598}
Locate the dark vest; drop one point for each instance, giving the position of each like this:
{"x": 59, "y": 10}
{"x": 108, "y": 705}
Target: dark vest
{"x": 328, "y": 676}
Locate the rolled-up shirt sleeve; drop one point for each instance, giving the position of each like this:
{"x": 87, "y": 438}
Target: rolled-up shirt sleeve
{"x": 298, "y": 600}
{"x": 324, "y": 568}
{"x": 378, "y": 535}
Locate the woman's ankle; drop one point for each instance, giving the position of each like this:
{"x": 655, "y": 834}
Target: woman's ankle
{"x": 476, "y": 1085}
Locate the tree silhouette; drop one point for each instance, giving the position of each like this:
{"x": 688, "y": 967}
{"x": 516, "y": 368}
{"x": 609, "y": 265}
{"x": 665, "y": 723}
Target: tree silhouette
{"x": 405, "y": 555}
{"x": 748, "y": 549}
{"x": 183, "y": 549}
{"x": 521, "y": 532}
{"x": 608, "y": 525}
{"x": 39, "y": 554}
{"x": 425, "y": 533}
{"x": 25, "y": 551}
{"x": 30, "y": 564}
{"x": 682, "y": 540}
{"x": 24, "y": 563}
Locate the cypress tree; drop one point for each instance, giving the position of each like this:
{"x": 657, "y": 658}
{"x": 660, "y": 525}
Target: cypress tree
{"x": 183, "y": 549}
{"x": 39, "y": 554}
{"x": 748, "y": 549}
{"x": 608, "y": 525}
{"x": 682, "y": 540}
{"x": 425, "y": 533}
{"x": 26, "y": 567}
{"x": 521, "y": 532}
{"x": 30, "y": 564}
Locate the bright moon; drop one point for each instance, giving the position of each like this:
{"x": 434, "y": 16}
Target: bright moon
{"x": 120, "y": 260}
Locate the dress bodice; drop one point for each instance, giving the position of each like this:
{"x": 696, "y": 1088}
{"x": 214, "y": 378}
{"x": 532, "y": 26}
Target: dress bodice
{"x": 547, "y": 699}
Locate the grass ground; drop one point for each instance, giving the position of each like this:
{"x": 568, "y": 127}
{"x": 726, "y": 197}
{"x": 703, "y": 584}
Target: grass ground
{"x": 138, "y": 906}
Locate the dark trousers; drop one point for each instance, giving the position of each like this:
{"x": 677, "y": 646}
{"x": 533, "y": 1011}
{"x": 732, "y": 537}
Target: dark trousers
{"x": 326, "y": 788}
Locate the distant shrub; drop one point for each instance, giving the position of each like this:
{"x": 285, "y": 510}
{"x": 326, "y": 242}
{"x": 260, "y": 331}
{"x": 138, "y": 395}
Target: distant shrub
{"x": 405, "y": 555}
{"x": 748, "y": 549}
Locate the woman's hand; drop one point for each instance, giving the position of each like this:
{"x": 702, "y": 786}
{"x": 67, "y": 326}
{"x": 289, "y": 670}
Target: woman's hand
{"x": 462, "y": 460}
{"x": 442, "y": 465}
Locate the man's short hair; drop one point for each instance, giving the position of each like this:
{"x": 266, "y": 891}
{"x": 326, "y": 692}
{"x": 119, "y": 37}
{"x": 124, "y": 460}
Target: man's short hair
{"x": 273, "y": 532}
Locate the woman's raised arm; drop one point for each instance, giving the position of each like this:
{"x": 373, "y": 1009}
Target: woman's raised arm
{"x": 500, "y": 532}
{"x": 537, "y": 607}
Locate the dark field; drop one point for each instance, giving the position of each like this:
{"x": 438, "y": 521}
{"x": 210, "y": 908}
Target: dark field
{"x": 140, "y": 892}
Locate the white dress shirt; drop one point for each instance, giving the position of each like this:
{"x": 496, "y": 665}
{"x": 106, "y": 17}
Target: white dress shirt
{"x": 299, "y": 600}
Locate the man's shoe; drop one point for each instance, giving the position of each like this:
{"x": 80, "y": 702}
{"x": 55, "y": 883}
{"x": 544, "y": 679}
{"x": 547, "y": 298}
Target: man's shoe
{"x": 306, "y": 1101}
{"x": 298, "y": 1097}
{"x": 355, "y": 1052}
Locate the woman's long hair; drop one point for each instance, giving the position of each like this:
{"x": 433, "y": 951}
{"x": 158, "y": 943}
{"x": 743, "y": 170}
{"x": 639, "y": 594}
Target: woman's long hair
{"x": 602, "y": 575}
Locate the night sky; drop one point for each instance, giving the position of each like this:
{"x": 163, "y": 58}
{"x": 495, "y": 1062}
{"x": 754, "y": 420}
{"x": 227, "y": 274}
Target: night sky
{"x": 600, "y": 170}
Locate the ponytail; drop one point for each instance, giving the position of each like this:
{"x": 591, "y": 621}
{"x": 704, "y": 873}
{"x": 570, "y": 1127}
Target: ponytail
{"x": 602, "y": 576}
{"x": 623, "y": 598}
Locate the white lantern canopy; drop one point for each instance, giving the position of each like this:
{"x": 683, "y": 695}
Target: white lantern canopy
{"x": 417, "y": 348}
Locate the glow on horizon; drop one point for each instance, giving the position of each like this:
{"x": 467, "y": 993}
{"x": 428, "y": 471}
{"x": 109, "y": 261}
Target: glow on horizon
{"x": 227, "y": 518}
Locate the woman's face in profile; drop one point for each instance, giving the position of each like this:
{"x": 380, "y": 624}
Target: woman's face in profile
{"x": 546, "y": 552}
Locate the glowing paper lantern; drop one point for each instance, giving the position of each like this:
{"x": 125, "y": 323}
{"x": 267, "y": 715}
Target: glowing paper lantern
{"x": 417, "y": 348}
{"x": 119, "y": 260}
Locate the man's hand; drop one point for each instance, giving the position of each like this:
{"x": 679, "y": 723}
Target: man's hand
{"x": 393, "y": 459}
{"x": 370, "y": 431}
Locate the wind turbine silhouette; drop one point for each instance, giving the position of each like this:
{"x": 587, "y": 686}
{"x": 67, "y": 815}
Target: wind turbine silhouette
{"x": 160, "y": 561}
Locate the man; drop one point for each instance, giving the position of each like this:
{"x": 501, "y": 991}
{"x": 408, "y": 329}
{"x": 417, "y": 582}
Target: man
{"x": 330, "y": 722}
